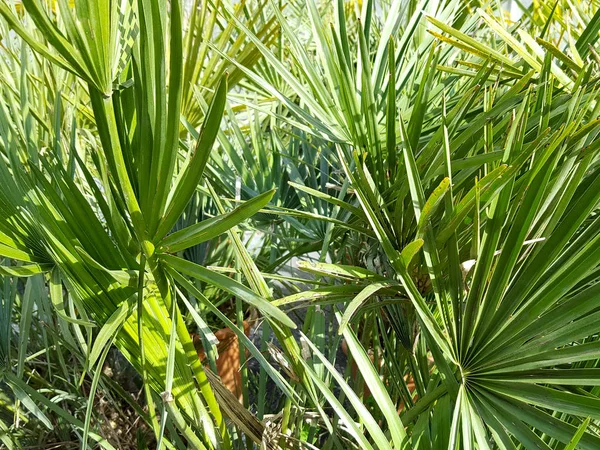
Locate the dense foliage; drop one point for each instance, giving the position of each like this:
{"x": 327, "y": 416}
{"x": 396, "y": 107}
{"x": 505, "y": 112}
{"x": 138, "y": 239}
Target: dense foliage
{"x": 398, "y": 198}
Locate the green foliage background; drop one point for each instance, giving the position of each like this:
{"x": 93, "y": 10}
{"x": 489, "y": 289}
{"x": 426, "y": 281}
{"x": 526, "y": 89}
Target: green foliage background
{"x": 432, "y": 167}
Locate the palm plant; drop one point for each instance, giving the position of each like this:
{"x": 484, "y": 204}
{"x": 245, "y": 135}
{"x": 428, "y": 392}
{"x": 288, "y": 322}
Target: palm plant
{"x": 100, "y": 226}
{"x": 491, "y": 178}
{"x": 440, "y": 159}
